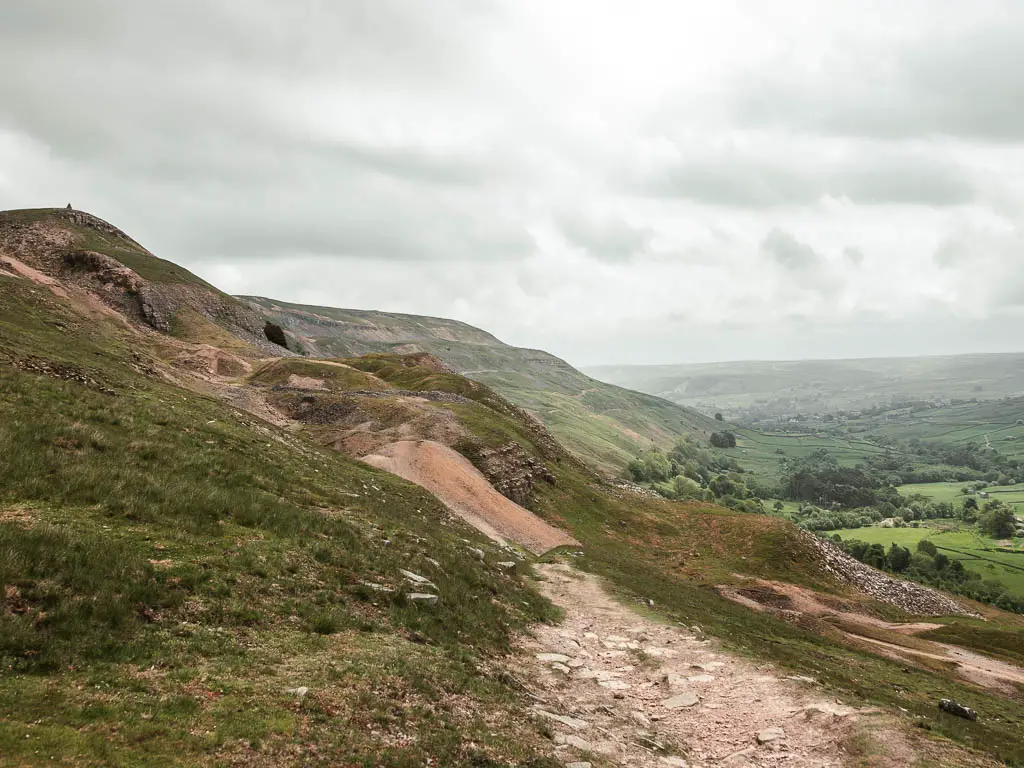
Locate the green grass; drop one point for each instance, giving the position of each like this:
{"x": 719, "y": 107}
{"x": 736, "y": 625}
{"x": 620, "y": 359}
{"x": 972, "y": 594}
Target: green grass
{"x": 335, "y": 377}
{"x": 224, "y": 563}
{"x": 169, "y": 567}
{"x": 1013, "y": 495}
{"x": 957, "y": 541}
{"x": 762, "y": 453}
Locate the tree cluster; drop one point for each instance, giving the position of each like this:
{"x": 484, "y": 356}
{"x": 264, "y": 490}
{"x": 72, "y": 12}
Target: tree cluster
{"x": 928, "y": 565}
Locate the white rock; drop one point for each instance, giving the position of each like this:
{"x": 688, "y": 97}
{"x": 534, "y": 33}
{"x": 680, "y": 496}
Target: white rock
{"x": 701, "y": 679}
{"x": 572, "y": 722}
{"x": 674, "y": 762}
{"x": 299, "y": 692}
{"x": 422, "y": 596}
{"x": 574, "y": 741}
{"x": 770, "y": 734}
{"x": 548, "y": 658}
{"x": 687, "y": 699}
{"x": 578, "y": 765}
{"x": 559, "y": 667}
{"x": 614, "y": 685}
{"x": 640, "y": 719}
{"x": 415, "y": 578}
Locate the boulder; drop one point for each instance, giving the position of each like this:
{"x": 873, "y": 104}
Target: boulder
{"x": 953, "y": 708}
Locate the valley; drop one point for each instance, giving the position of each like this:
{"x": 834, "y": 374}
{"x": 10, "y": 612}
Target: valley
{"x": 218, "y": 549}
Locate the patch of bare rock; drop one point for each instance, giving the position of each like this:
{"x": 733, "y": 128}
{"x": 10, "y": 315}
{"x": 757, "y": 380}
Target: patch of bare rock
{"x": 614, "y": 686}
{"x": 912, "y": 598}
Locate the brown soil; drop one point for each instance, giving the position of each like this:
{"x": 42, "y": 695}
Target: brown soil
{"x": 24, "y": 270}
{"x": 618, "y": 673}
{"x": 466, "y": 492}
{"x": 882, "y": 636}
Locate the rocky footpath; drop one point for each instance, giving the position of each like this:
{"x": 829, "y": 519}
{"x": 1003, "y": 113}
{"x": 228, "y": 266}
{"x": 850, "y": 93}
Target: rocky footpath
{"x": 618, "y": 688}
{"x": 912, "y": 598}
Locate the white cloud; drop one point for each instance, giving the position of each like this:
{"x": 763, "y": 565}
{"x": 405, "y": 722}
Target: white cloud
{"x": 661, "y": 182}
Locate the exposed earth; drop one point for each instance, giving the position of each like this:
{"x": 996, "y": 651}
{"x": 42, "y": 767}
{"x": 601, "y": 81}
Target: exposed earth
{"x": 466, "y": 492}
{"x": 621, "y": 688}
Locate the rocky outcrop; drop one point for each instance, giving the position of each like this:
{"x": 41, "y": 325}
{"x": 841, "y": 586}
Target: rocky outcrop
{"x": 511, "y": 470}
{"x": 83, "y": 219}
{"x": 912, "y": 598}
{"x": 53, "y": 242}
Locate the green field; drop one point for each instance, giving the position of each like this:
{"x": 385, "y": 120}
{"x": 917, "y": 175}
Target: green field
{"x": 953, "y": 538}
{"x": 761, "y": 453}
{"x": 1012, "y": 495}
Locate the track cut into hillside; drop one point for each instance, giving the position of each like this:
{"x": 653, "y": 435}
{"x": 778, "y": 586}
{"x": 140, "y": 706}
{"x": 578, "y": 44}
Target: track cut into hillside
{"x": 621, "y": 688}
{"x": 897, "y": 640}
{"x": 465, "y": 491}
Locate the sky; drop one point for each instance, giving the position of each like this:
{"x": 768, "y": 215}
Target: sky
{"x": 614, "y": 182}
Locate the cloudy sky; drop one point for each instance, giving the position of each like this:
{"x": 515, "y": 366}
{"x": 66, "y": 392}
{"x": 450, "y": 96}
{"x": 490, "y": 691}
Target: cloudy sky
{"x": 615, "y": 182}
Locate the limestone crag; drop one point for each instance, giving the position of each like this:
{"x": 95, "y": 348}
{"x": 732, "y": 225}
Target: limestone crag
{"x": 511, "y": 470}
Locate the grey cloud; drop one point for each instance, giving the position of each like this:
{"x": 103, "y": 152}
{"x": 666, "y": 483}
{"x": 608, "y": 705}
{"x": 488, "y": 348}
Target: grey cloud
{"x": 803, "y": 265}
{"x": 966, "y": 82}
{"x": 188, "y": 116}
{"x": 607, "y": 238}
{"x": 789, "y": 252}
{"x": 869, "y": 177}
{"x": 952, "y": 251}
{"x": 400, "y": 154}
{"x": 853, "y": 255}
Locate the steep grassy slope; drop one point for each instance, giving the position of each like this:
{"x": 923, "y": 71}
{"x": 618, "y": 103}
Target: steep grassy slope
{"x": 171, "y": 567}
{"x": 604, "y": 424}
{"x": 819, "y": 386}
{"x": 174, "y": 571}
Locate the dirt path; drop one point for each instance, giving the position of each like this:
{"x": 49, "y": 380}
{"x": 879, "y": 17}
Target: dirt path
{"x": 466, "y": 492}
{"x": 616, "y": 685}
{"x": 982, "y": 670}
{"x": 778, "y": 597}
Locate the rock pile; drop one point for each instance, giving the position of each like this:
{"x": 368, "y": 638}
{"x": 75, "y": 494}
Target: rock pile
{"x": 912, "y": 598}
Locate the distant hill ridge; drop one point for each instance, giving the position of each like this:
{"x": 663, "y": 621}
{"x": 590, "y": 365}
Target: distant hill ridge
{"x": 777, "y": 388}
{"x": 605, "y": 424}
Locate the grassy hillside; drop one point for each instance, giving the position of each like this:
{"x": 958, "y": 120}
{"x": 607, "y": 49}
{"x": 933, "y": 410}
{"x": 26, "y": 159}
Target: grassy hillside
{"x": 603, "y": 424}
{"x": 171, "y": 568}
{"x": 998, "y": 424}
{"x": 184, "y": 583}
{"x": 85, "y": 252}
{"x": 769, "y": 389}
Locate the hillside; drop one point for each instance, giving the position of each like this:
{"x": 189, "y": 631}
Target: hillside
{"x": 772, "y": 389}
{"x": 604, "y": 424}
{"x": 196, "y": 568}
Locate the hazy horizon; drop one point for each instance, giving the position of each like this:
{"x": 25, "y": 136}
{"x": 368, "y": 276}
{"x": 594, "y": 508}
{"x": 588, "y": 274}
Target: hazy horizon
{"x": 658, "y": 184}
